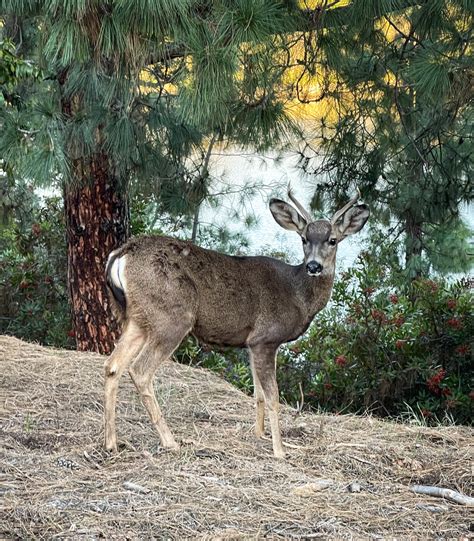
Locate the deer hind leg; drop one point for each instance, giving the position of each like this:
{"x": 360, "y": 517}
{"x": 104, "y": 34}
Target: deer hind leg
{"x": 128, "y": 347}
{"x": 264, "y": 363}
{"x": 142, "y": 372}
{"x": 259, "y": 401}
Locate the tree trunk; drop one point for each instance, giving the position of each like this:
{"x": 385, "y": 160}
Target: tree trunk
{"x": 413, "y": 245}
{"x": 97, "y": 222}
{"x": 195, "y": 223}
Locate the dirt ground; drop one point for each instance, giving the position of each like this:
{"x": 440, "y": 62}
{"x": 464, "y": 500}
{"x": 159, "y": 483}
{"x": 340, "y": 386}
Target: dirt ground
{"x": 345, "y": 477}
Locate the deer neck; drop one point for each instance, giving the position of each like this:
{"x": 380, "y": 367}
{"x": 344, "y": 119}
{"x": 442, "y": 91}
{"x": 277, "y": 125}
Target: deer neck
{"x": 315, "y": 291}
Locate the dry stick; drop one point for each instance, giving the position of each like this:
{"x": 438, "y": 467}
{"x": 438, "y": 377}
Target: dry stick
{"x": 446, "y": 493}
{"x": 363, "y": 461}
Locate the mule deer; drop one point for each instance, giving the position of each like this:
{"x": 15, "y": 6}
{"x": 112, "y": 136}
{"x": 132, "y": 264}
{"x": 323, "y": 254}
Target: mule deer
{"x": 163, "y": 289}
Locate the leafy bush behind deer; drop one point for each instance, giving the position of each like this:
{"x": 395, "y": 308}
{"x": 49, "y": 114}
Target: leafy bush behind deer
{"x": 386, "y": 345}
{"x": 33, "y": 293}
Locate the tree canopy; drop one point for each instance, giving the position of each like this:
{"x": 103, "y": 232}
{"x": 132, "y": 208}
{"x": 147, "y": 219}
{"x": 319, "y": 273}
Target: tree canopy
{"x": 399, "y": 124}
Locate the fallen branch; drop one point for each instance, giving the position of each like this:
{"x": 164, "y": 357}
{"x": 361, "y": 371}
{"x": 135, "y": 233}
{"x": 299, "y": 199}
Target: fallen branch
{"x": 445, "y": 493}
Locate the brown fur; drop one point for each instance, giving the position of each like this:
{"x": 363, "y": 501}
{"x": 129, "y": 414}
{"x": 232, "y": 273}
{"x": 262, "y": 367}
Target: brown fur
{"x": 174, "y": 288}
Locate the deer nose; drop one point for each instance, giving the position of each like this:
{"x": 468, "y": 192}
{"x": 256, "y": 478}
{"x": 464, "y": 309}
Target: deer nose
{"x": 313, "y": 267}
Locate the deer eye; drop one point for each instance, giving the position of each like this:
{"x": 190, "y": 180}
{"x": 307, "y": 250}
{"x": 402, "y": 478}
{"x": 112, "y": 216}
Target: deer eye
{"x": 332, "y": 242}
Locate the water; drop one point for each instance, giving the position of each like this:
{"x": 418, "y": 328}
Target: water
{"x": 272, "y": 174}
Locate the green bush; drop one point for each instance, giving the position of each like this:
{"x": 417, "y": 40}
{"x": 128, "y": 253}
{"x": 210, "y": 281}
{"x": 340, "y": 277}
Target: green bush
{"x": 388, "y": 347}
{"x": 33, "y": 297}
{"x": 230, "y": 363}
{"x": 385, "y": 344}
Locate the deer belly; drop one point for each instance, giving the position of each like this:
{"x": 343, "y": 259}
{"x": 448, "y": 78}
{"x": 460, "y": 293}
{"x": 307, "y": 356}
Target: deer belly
{"x": 222, "y": 335}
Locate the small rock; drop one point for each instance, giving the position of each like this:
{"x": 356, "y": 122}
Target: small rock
{"x": 354, "y": 487}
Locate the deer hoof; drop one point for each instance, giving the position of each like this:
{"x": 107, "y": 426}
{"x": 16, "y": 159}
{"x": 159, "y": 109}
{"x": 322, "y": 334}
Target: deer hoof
{"x": 280, "y": 454}
{"x": 172, "y": 446}
{"x": 111, "y": 448}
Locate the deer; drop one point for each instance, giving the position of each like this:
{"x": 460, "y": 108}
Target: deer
{"x": 163, "y": 289}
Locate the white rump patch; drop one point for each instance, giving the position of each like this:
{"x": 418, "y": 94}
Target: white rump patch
{"x": 117, "y": 273}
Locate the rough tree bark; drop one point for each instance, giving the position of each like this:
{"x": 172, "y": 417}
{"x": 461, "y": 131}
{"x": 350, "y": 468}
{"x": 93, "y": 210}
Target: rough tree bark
{"x": 97, "y": 221}
{"x": 413, "y": 244}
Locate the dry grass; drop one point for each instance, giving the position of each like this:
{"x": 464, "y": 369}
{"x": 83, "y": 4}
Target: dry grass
{"x": 57, "y": 483}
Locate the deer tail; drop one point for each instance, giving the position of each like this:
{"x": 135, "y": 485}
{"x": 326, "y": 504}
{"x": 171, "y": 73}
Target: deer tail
{"x": 116, "y": 283}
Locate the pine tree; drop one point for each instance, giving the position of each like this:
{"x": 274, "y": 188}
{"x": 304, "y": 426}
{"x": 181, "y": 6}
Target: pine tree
{"x": 130, "y": 88}
{"x": 400, "y": 122}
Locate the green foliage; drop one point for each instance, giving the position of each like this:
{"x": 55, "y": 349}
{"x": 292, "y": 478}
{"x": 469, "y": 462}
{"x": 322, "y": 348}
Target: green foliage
{"x": 450, "y": 247}
{"x": 145, "y": 82}
{"x": 33, "y": 296}
{"x": 384, "y": 345}
{"x": 13, "y": 70}
{"x": 231, "y": 364}
{"x": 387, "y": 347}
{"x": 402, "y": 132}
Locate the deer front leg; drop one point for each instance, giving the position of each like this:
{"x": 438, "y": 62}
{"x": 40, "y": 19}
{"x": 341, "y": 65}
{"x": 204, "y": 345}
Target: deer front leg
{"x": 264, "y": 362}
{"x": 127, "y": 348}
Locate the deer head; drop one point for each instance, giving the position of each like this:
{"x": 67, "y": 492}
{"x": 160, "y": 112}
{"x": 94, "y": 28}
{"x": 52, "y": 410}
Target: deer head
{"x": 320, "y": 237}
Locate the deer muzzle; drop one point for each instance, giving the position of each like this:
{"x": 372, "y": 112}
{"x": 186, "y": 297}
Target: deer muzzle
{"x": 313, "y": 268}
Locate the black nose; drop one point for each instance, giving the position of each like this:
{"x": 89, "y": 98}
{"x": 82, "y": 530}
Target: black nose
{"x": 313, "y": 267}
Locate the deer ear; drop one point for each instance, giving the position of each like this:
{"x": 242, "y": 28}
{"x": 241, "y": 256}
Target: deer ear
{"x": 287, "y": 216}
{"x": 352, "y": 221}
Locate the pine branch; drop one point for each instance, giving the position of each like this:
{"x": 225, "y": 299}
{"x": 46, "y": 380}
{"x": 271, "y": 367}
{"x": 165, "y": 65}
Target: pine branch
{"x": 170, "y": 52}
{"x": 310, "y": 19}
{"x": 305, "y": 20}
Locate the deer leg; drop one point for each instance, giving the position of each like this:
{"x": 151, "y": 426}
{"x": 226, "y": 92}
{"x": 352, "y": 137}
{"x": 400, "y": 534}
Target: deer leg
{"x": 265, "y": 368}
{"x": 142, "y": 372}
{"x": 127, "y": 348}
{"x": 259, "y": 401}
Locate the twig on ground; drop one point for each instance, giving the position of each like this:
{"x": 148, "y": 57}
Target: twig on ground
{"x": 445, "y": 493}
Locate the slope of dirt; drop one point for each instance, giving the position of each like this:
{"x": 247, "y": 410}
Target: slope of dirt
{"x": 223, "y": 483}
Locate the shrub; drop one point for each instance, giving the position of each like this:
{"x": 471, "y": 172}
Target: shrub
{"x": 230, "y": 363}
{"x": 384, "y": 344}
{"x": 33, "y": 297}
{"x": 387, "y": 346}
